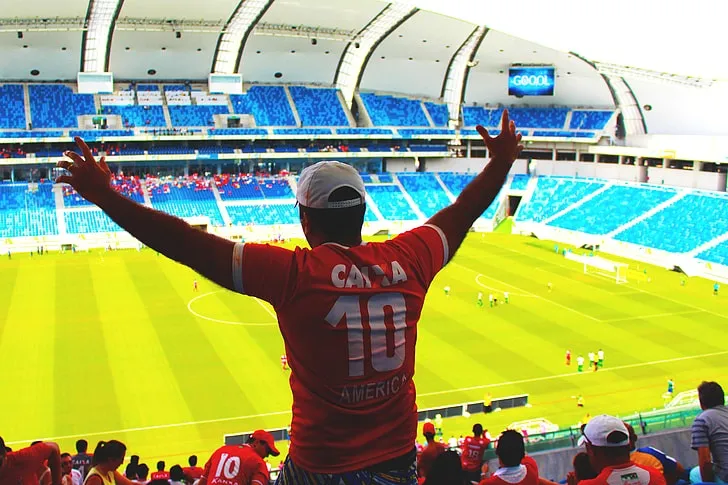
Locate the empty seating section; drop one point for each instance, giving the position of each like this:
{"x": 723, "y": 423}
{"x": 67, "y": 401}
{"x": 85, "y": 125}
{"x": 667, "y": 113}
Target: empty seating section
{"x": 391, "y": 202}
{"x": 409, "y": 132}
{"x": 438, "y": 113}
{"x": 589, "y": 120}
{"x": 385, "y": 178}
{"x": 238, "y": 131}
{"x": 426, "y": 191}
{"x": 456, "y": 182}
{"x": 147, "y": 87}
{"x": 318, "y": 106}
{"x": 184, "y": 198}
{"x": 268, "y": 104}
{"x": 93, "y": 134}
{"x": 31, "y": 134}
{"x": 612, "y": 208}
{"x": 554, "y": 194}
{"x": 276, "y": 188}
{"x": 133, "y": 116}
{"x": 195, "y": 115}
{"x": 302, "y": 131}
{"x": 564, "y": 134}
{"x": 370, "y": 216}
{"x": 477, "y": 115}
{"x": 263, "y": 214}
{"x": 236, "y": 187}
{"x": 57, "y": 106}
{"x": 716, "y": 254}
{"x": 387, "y": 110}
{"x": 27, "y": 210}
{"x": 12, "y": 107}
{"x": 364, "y": 131}
{"x": 689, "y": 222}
{"x": 520, "y": 181}
{"x": 538, "y": 117}
{"x": 131, "y": 187}
{"x": 428, "y": 148}
{"x": 88, "y": 221}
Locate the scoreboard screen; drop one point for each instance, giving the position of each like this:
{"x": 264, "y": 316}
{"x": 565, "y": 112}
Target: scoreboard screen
{"x": 531, "y": 81}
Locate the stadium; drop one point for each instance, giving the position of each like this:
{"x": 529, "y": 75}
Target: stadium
{"x": 609, "y": 235}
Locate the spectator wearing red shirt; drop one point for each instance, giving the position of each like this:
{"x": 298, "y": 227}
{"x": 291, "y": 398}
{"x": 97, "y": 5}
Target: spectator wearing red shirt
{"x": 472, "y": 450}
{"x": 354, "y": 410}
{"x": 193, "y": 472}
{"x": 241, "y": 465}
{"x": 21, "y": 467}
{"x": 515, "y": 466}
{"x": 160, "y": 474}
{"x": 432, "y": 450}
{"x": 608, "y": 447}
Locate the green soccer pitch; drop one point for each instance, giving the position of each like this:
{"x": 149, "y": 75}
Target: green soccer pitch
{"x": 105, "y": 345}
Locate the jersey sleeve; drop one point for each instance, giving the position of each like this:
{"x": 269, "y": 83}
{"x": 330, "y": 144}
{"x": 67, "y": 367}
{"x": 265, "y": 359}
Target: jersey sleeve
{"x": 258, "y": 473}
{"x": 428, "y": 248}
{"x": 699, "y": 433}
{"x": 33, "y": 456}
{"x": 263, "y": 271}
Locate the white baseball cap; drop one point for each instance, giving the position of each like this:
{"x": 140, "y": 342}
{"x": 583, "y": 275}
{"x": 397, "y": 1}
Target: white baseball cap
{"x": 319, "y": 180}
{"x": 606, "y": 431}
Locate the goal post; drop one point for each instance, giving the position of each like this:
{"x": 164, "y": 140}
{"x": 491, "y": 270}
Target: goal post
{"x": 602, "y": 267}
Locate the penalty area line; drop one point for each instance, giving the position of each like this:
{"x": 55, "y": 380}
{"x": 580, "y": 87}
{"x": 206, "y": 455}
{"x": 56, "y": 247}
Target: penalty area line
{"x": 419, "y": 395}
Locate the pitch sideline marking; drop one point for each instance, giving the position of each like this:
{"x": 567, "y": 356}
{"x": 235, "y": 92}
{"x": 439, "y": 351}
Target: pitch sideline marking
{"x": 449, "y": 391}
{"x": 477, "y": 281}
{"x": 227, "y": 322}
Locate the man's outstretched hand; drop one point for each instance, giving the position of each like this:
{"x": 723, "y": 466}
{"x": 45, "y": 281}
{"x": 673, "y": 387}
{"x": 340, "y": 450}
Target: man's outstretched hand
{"x": 507, "y": 145}
{"x": 90, "y": 179}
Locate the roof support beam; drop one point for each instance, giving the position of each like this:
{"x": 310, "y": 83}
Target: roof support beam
{"x": 456, "y": 79}
{"x": 96, "y": 42}
{"x": 232, "y": 40}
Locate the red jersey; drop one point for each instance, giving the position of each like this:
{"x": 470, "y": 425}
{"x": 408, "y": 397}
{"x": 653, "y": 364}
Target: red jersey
{"x": 20, "y": 467}
{"x": 472, "y": 453}
{"x": 427, "y": 458}
{"x": 354, "y": 403}
{"x": 236, "y": 465}
{"x": 193, "y": 472}
{"x": 525, "y": 474}
{"x": 627, "y": 474}
{"x": 163, "y": 475}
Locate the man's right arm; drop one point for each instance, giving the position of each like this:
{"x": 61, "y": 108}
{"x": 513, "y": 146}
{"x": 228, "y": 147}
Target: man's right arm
{"x": 700, "y": 442}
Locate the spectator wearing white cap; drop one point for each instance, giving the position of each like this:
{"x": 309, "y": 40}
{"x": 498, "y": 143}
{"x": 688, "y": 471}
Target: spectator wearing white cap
{"x": 608, "y": 446}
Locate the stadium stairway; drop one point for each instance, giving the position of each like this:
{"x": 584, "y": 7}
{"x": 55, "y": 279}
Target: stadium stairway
{"x": 293, "y": 106}
{"x": 221, "y": 207}
{"x": 415, "y": 208}
{"x": 374, "y": 208}
{"x": 427, "y": 114}
{"x": 647, "y": 214}
{"x": 58, "y": 196}
{"x": 708, "y": 245}
{"x": 26, "y": 105}
{"x": 444, "y": 187}
{"x": 577, "y": 204}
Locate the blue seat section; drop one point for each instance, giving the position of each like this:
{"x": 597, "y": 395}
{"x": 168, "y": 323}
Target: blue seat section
{"x": 12, "y": 107}
{"x": 438, "y": 112}
{"x": 238, "y": 131}
{"x": 26, "y": 212}
{"x": 388, "y": 110}
{"x": 131, "y": 187}
{"x": 589, "y": 120}
{"x": 520, "y": 181}
{"x": 94, "y": 134}
{"x": 195, "y": 115}
{"x": 538, "y": 117}
{"x": 426, "y": 191}
{"x": 31, "y": 134}
{"x": 391, "y": 202}
{"x": 428, "y": 148}
{"x": 263, "y": 214}
{"x": 133, "y": 116}
{"x": 716, "y": 254}
{"x": 554, "y": 194}
{"x": 216, "y": 149}
{"x": 477, "y": 115}
{"x": 276, "y": 188}
{"x": 456, "y": 182}
{"x": 268, "y": 104}
{"x": 385, "y": 178}
{"x": 409, "y": 132}
{"x": 318, "y": 106}
{"x": 171, "y": 150}
{"x": 363, "y": 131}
{"x": 691, "y": 221}
{"x": 87, "y": 221}
{"x": 57, "y": 106}
{"x": 236, "y": 187}
{"x": 185, "y": 198}
{"x": 379, "y": 147}
{"x": 370, "y": 216}
{"x": 612, "y": 208}
{"x": 147, "y": 87}
{"x": 366, "y": 178}
{"x": 491, "y": 132}
{"x": 175, "y": 87}
{"x": 302, "y": 131}
{"x": 565, "y": 134}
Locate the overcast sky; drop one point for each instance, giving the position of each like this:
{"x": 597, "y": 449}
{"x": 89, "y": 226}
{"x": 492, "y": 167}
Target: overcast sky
{"x": 681, "y": 37}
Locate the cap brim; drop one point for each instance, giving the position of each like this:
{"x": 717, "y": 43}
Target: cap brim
{"x": 273, "y": 450}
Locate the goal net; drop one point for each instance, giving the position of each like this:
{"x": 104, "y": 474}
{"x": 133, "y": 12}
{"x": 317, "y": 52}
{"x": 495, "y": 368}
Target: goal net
{"x": 603, "y": 267}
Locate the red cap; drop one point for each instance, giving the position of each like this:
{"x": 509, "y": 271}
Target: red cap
{"x": 267, "y": 438}
{"x": 428, "y": 428}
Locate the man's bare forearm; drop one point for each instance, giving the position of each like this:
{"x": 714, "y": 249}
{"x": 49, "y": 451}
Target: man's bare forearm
{"x": 209, "y": 255}
{"x": 456, "y": 219}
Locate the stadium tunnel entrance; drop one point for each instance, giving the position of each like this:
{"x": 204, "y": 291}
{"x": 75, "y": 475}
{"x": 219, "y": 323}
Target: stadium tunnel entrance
{"x": 513, "y": 202}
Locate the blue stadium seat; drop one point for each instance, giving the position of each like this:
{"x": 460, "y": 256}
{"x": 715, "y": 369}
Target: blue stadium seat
{"x": 131, "y": 187}
{"x": 195, "y": 115}
{"x": 565, "y": 134}
{"x": 363, "y": 131}
{"x": 12, "y": 107}
{"x": 520, "y": 181}
{"x": 613, "y": 208}
{"x": 391, "y": 202}
{"x": 688, "y": 223}
{"x": 716, "y": 254}
{"x": 554, "y": 194}
{"x": 409, "y": 132}
{"x": 171, "y": 150}
{"x": 148, "y": 87}
{"x": 426, "y": 191}
{"x": 318, "y": 106}
{"x": 57, "y": 106}
{"x": 90, "y": 135}
{"x": 238, "y": 131}
{"x": 268, "y": 104}
{"x": 185, "y": 197}
{"x": 31, "y": 134}
{"x": 477, "y": 115}
{"x": 589, "y": 120}
{"x": 438, "y": 112}
{"x": 456, "y": 182}
{"x": 263, "y": 214}
{"x": 302, "y": 131}
{"x": 385, "y": 110}
{"x": 385, "y": 178}
{"x": 26, "y": 212}
{"x": 89, "y": 221}
{"x": 524, "y": 117}
{"x": 138, "y": 116}
{"x": 422, "y": 147}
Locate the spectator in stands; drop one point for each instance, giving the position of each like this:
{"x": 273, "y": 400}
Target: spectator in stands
{"x": 82, "y": 460}
{"x": 142, "y": 474}
{"x": 515, "y": 466}
{"x": 108, "y": 457}
{"x": 193, "y": 472}
{"x": 368, "y": 395}
{"x": 710, "y": 435}
{"x": 432, "y": 450}
{"x": 71, "y": 476}
{"x": 608, "y": 446}
{"x": 472, "y": 449}
{"x": 131, "y": 468}
{"x": 160, "y": 474}
{"x": 446, "y": 470}
{"x": 649, "y": 456}
{"x": 583, "y": 469}
{"x": 21, "y": 467}
{"x": 176, "y": 475}
{"x": 252, "y": 469}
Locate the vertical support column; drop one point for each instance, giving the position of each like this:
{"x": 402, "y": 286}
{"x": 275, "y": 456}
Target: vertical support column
{"x": 468, "y": 148}
{"x": 697, "y": 166}
{"x": 553, "y": 154}
{"x": 187, "y": 169}
{"x": 596, "y": 158}
{"x": 665, "y": 163}
{"x": 621, "y": 160}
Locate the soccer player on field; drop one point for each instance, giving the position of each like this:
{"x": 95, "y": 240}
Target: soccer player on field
{"x": 354, "y": 412}
{"x": 284, "y": 362}
{"x": 716, "y": 287}
{"x": 550, "y": 286}
{"x": 490, "y": 299}
{"x": 447, "y": 291}
{"x": 592, "y": 359}
{"x": 670, "y": 386}
{"x": 568, "y": 357}
{"x": 505, "y": 296}
{"x": 580, "y": 364}
{"x": 194, "y": 285}
{"x": 480, "y": 298}
{"x": 600, "y": 357}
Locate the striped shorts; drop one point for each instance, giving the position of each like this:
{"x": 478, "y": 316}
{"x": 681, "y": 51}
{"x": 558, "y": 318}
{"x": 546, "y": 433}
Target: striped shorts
{"x": 293, "y": 475}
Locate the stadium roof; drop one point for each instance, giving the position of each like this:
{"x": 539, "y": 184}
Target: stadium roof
{"x": 671, "y": 36}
